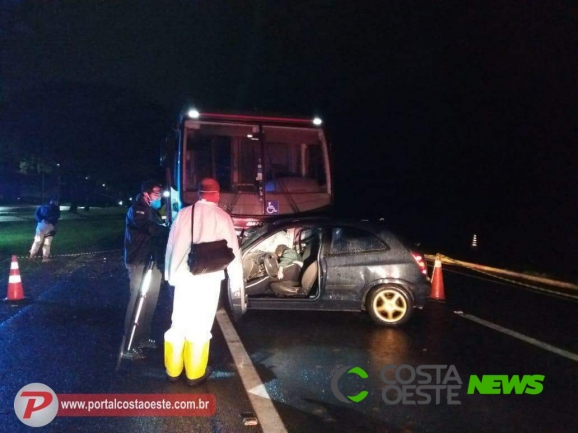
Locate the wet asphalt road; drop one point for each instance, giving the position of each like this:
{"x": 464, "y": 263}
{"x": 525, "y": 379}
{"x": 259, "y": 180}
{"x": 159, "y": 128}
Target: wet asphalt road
{"x": 300, "y": 351}
{"x": 68, "y": 338}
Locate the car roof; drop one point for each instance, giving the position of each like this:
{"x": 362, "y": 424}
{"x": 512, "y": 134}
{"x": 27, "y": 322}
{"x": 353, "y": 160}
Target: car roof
{"x": 327, "y": 221}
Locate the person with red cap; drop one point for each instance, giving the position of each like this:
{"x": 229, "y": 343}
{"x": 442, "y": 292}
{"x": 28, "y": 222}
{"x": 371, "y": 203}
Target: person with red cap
{"x": 196, "y": 296}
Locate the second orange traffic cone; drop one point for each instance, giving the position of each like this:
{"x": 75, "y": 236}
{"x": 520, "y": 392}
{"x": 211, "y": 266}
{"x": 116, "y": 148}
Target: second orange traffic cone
{"x": 437, "y": 281}
{"x": 15, "y": 291}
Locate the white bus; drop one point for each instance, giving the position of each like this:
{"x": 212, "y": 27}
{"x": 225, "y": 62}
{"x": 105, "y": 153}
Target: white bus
{"x": 267, "y": 166}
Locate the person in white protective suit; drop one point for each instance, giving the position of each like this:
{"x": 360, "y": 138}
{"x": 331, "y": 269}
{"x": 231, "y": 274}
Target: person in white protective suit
{"x": 196, "y": 296}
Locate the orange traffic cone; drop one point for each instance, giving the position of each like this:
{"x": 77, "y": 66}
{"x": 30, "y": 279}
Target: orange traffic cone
{"x": 15, "y": 289}
{"x": 437, "y": 281}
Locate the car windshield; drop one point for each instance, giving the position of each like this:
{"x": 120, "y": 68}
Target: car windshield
{"x": 251, "y": 234}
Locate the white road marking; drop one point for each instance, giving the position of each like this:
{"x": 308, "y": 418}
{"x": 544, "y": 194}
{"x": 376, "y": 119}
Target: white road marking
{"x": 265, "y": 411}
{"x": 538, "y": 343}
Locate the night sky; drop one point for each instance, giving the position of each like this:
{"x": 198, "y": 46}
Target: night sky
{"x": 447, "y": 118}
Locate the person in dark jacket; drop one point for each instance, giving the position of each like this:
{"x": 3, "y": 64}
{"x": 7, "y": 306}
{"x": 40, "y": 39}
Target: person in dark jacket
{"x": 47, "y": 217}
{"x": 145, "y": 239}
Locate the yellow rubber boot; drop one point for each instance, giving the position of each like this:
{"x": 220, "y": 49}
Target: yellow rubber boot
{"x": 174, "y": 359}
{"x": 196, "y": 357}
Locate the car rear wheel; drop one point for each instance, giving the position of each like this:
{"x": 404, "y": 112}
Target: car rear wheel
{"x": 389, "y": 306}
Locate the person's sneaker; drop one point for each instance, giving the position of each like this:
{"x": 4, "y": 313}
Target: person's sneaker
{"x": 148, "y": 344}
{"x": 203, "y": 378}
{"x": 46, "y": 259}
{"x": 134, "y": 354}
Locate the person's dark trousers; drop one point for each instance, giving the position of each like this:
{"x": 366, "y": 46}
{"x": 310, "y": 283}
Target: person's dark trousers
{"x": 143, "y": 330}
{"x": 291, "y": 272}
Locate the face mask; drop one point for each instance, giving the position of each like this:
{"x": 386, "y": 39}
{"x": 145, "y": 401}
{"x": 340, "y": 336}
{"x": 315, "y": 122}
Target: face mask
{"x": 156, "y": 204}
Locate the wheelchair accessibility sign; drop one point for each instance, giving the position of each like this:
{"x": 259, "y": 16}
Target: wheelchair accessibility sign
{"x": 272, "y": 207}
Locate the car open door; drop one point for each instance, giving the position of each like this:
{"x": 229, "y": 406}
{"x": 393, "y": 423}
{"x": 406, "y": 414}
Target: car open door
{"x": 237, "y": 301}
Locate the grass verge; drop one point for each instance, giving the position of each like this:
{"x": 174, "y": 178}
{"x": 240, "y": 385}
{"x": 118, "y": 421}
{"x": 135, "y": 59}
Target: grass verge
{"x": 94, "y": 233}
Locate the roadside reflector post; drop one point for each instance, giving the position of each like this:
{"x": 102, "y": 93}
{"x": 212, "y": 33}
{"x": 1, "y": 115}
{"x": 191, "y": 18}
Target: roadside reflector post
{"x": 474, "y": 245}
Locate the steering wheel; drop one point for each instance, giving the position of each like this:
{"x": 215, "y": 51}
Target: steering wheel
{"x": 271, "y": 266}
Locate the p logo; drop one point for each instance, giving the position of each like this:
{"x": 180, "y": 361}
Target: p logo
{"x": 335, "y": 380}
{"x": 36, "y": 405}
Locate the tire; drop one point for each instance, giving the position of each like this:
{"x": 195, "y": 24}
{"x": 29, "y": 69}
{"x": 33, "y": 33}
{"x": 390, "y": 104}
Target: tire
{"x": 389, "y": 306}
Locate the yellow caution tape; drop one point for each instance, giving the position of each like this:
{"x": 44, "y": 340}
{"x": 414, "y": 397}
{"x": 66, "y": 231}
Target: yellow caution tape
{"x": 480, "y": 268}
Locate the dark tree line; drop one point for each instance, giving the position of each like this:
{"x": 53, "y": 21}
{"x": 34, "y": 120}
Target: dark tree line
{"x": 92, "y": 143}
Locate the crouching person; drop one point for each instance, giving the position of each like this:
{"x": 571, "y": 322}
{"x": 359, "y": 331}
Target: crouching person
{"x": 47, "y": 217}
{"x": 196, "y": 297}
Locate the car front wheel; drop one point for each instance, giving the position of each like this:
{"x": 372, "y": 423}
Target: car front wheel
{"x": 389, "y": 306}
